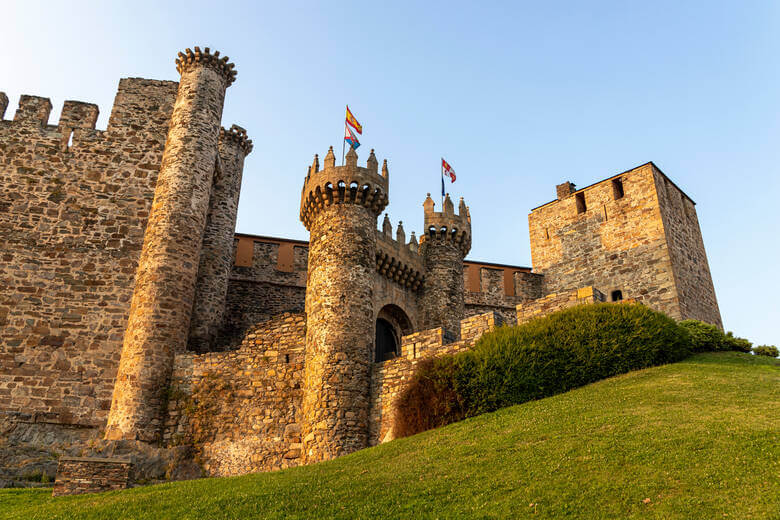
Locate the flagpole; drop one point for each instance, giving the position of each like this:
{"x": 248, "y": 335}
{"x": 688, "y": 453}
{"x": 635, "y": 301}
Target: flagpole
{"x": 343, "y": 142}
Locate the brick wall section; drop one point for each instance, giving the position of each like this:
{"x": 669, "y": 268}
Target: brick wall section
{"x": 616, "y": 244}
{"x": 691, "y": 270}
{"x": 389, "y": 378}
{"x": 71, "y": 227}
{"x": 76, "y": 476}
{"x": 241, "y": 409}
{"x": 159, "y": 320}
{"x": 557, "y": 301}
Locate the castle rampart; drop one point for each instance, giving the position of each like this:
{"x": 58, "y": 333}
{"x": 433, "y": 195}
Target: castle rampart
{"x": 72, "y": 222}
{"x": 159, "y": 319}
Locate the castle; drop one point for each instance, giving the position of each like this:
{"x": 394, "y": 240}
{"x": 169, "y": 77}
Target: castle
{"x": 131, "y": 310}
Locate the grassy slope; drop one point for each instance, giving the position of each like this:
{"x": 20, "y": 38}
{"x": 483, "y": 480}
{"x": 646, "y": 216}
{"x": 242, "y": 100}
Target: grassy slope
{"x": 700, "y": 439}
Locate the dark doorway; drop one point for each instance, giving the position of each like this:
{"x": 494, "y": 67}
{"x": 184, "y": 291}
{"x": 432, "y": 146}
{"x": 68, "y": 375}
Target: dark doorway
{"x": 386, "y": 344}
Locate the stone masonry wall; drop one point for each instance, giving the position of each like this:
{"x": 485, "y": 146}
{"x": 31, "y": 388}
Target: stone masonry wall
{"x": 159, "y": 321}
{"x": 389, "y": 378}
{"x": 72, "y": 219}
{"x": 695, "y": 289}
{"x": 216, "y": 257}
{"x": 241, "y": 409}
{"x": 76, "y": 476}
{"x": 616, "y": 244}
{"x": 262, "y": 284}
{"x": 556, "y": 302}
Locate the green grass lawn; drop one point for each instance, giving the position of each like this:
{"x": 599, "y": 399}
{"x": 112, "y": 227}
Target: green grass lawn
{"x": 700, "y": 439}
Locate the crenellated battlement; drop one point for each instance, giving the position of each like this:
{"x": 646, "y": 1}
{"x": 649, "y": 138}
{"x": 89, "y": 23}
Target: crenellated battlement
{"x": 190, "y": 58}
{"x": 348, "y": 184}
{"x": 446, "y": 225}
{"x": 237, "y": 135}
{"x": 3, "y": 104}
{"x": 33, "y": 110}
{"x": 396, "y": 259}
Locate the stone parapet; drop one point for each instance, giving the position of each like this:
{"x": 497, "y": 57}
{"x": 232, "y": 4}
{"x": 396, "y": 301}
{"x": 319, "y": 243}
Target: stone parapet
{"x": 190, "y": 59}
{"x": 349, "y": 184}
{"x": 76, "y": 476}
{"x": 399, "y": 261}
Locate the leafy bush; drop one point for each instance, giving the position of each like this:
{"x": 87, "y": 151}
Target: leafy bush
{"x": 546, "y": 356}
{"x": 706, "y": 337}
{"x": 738, "y": 344}
{"x": 766, "y": 350}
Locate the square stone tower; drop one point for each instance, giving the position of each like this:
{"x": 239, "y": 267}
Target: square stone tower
{"x": 634, "y": 235}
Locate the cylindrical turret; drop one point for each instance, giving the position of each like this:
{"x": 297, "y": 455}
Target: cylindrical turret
{"x": 216, "y": 255}
{"x": 339, "y": 207}
{"x": 159, "y": 319}
{"x": 444, "y": 245}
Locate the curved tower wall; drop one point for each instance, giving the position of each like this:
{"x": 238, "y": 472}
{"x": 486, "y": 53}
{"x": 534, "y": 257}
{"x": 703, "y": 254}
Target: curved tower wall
{"x": 444, "y": 244}
{"x": 339, "y": 207}
{"x": 216, "y": 257}
{"x": 161, "y": 307}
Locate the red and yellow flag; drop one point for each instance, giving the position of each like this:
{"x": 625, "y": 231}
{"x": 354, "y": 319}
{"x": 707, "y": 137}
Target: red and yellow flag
{"x": 351, "y": 121}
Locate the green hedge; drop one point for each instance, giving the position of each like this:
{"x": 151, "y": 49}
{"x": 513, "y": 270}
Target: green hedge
{"x": 766, "y": 350}
{"x": 709, "y": 338}
{"x": 546, "y": 356}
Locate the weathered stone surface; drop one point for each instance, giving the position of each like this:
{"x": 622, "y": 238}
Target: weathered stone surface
{"x": 339, "y": 208}
{"x": 446, "y": 241}
{"x": 160, "y": 311}
{"x": 216, "y": 258}
{"x": 635, "y": 233}
{"x": 76, "y": 476}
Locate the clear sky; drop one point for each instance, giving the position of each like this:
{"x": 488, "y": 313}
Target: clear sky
{"x": 517, "y": 96}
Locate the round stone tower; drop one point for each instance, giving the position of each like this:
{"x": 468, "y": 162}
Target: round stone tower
{"x": 216, "y": 257}
{"x": 443, "y": 246}
{"x": 161, "y": 307}
{"x": 339, "y": 207}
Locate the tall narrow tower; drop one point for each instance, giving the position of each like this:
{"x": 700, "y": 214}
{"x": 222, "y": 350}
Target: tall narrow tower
{"x": 339, "y": 207}
{"x": 444, "y": 245}
{"x": 216, "y": 257}
{"x": 160, "y": 311}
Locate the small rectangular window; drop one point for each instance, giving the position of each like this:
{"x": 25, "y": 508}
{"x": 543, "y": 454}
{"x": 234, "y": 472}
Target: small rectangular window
{"x": 581, "y": 207}
{"x": 617, "y": 295}
{"x": 547, "y": 233}
{"x": 617, "y": 189}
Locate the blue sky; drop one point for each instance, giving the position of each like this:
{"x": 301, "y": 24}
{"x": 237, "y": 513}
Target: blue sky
{"x": 518, "y": 96}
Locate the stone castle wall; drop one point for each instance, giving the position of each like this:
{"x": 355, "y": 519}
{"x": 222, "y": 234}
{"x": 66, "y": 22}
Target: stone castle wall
{"x": 389, "y": 378}
{"x": 241, "y": 409}
{"x": 556, "y": 302}
{"x": 615, "y": 244}
{"x": 74, "y": 202}
{"x": 695, "y": 291}
{"x": 268, "y": 277}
